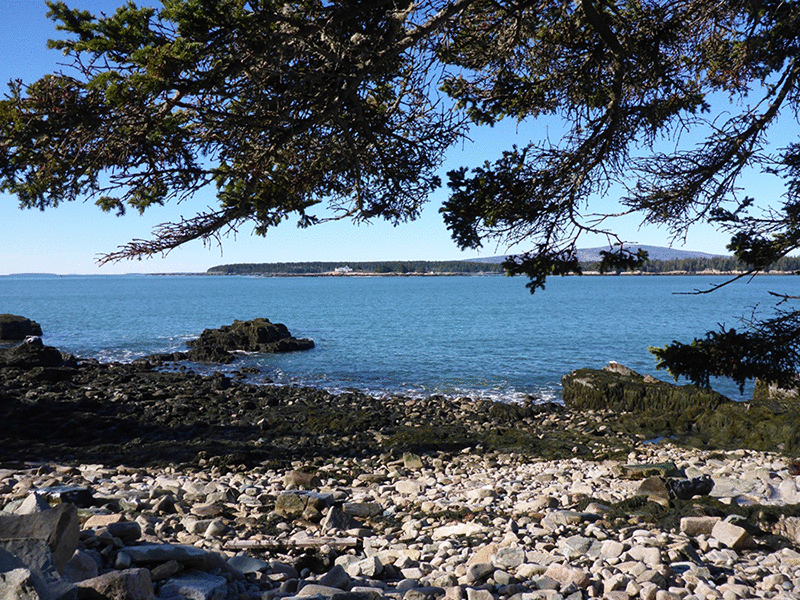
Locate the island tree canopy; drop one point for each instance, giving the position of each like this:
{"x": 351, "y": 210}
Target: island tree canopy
{"x": 344, "y": 109}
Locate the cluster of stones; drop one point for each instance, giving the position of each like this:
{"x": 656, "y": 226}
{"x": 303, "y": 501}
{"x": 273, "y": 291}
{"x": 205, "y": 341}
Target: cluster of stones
{"x": 462, "y": 526}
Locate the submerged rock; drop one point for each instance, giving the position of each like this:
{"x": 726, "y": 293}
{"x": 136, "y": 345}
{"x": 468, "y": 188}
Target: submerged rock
{"x": 258, "y": 335}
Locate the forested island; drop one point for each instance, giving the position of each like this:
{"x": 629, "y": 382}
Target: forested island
{"x": 682, "y": 266}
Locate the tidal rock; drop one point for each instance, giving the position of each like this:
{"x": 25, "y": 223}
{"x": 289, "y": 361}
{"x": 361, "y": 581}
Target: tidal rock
{"x": 258, "y": 335}
{"x": 626, "y": 390}
{"x": 30, "y": 354}
{"x": 17, "y": 328}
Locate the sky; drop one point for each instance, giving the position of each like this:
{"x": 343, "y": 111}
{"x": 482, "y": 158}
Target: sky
{"x": 70, "y": 238}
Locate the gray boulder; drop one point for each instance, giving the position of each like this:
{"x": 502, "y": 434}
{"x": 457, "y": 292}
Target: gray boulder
{"x": 130, "y": 584}
{"x": 58, "y": 528}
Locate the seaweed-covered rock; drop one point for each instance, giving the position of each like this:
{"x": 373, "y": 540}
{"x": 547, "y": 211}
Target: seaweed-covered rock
{"x": 258, "y": 335}
{"x": 698, "y": 416}
{"x": 16, "y": 328}
{"x": 621, "y": 389}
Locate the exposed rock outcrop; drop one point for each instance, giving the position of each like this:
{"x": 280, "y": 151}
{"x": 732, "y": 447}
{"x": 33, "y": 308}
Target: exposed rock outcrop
{"x": 30, "y": 354}
{"x": 258, "y": 335}
{"x": 16, "y": 328}
{"x": 619, "y": 388}
{"x": 699, "y": 416}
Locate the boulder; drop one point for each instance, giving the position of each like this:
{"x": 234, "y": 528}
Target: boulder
{"x": 129, "y": 584}
{"x": 30, "y": 354}
{"x": 16, "y": 328}
{"x": 58, "y": 528}
{"x": 258, "y": 335}
{"x": 622, "y": 390}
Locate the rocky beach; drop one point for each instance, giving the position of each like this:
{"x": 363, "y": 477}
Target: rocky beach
{"x": 145, "y": 481}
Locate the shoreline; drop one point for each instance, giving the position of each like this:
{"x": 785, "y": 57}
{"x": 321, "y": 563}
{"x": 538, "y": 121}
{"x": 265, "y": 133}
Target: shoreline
{"x": 289, "y": 493}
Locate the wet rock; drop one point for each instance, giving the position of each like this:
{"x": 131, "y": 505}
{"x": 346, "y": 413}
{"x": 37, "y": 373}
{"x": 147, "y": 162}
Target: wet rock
{"x": 258, "y": 335}
{"x": 17, "y": 328}
{"x": 593, "y": 389}
{"x": 30, "y": 354}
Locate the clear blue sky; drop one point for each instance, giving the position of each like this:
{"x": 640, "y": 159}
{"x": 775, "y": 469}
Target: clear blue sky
{"x": 68, "y": 239}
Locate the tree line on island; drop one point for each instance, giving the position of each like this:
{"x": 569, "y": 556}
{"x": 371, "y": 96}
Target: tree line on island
{"x": 715, "y": 264}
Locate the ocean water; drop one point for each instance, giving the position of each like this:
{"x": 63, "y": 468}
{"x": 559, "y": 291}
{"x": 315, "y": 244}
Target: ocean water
{"x": 475, "y": 336}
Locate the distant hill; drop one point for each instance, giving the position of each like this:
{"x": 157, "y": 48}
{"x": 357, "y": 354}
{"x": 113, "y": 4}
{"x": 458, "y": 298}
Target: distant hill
{"x": 593, "y": 254}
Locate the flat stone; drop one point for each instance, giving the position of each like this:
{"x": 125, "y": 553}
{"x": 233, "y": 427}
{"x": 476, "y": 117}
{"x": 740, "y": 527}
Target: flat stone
{"x": 189, "y": 556}
{"x": 566, "y": 575}
{"x": 655, "y": 490}
{"x": 694, "y": 526}
{"x": 409, "y": 487}
{"x": 247, "y": 564}
{"x": 457, "y": 530}
{"x": 509, "y": 557}
{"x": 196, "y": 586}
{"x": 478, "y": 572}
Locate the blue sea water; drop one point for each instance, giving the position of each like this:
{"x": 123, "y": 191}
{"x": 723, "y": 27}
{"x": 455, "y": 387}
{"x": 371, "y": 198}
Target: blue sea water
{"x": 477, "y": 336}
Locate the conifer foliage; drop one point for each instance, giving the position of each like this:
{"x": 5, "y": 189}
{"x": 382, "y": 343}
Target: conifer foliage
{"x": 344, "y": 109}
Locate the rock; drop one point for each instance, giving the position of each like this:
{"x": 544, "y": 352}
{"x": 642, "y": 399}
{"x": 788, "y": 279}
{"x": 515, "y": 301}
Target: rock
{"x": 290, "y": 504}
{"x": 566, "y": 575}
{"x": 127, "y": 531}
{"x": 509, "y": 557}
{"x": 31, "y": 354}
{"x": 626, "y": 390}
{"x": 643, "y": 471}
{"x": 694, "y": 526}
{"x": 34, "y": 503}
{"x": 57, "y": 527}
{"x": 478, "y": 571}
{"x": 409, "y": 487}
{"x": 655, "y": 490}
{"x": 81, "y": 566}
{"x": 130, "y": 584}
{"x": 188, "y": 556}
{"x": 34, "y": 571}
{"x": 196, "y": 586}
{"x": 460, "y": 529}
{"x": 336, "y": 519}
{"x": 730, "y": 535}
{"x": 258, "y": 335}
{"x": 337, "y": 577}
{"x": 20, "y": 584}
{"x": 16, "y": 328}
{"x": 247, "y": 564}
{"x": 300, "y": 480}
{"x": 684, "y": 489}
